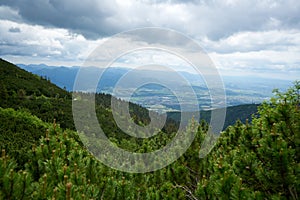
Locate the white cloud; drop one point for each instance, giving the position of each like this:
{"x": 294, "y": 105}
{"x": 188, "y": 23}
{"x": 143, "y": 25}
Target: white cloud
{"x": 266, "y": 63}
{"x": 284, "y": 40}
{"x": 48, "y": 44}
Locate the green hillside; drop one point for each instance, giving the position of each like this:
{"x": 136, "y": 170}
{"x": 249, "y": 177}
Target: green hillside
{"x": 16, "y": 82}
{"x": 21, "y": 89}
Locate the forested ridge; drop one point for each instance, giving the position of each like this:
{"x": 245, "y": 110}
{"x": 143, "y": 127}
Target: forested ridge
{"x": 233, "y": 113}
{"x": 43, "y": 158}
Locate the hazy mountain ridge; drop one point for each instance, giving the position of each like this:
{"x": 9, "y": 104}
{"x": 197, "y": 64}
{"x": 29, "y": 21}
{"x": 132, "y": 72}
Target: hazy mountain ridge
{"x": 239, "y": 90}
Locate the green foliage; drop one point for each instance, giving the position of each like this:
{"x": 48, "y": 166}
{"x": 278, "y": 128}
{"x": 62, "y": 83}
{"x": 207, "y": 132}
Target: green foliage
{"x": 261, "y": 160}
{"x": 61, "y": 168}
{"x": 19, "y": 131}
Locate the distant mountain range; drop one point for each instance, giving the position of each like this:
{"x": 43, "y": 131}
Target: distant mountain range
{"x": 239, "y": 90}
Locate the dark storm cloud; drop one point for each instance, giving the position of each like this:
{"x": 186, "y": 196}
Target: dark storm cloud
{"x": 222, "y": 19}
{"x": 214, "y": 19}
{"x": 89, "y": 18}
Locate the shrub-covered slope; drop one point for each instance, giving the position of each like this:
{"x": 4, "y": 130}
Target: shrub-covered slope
{"x": 250, "y": 161}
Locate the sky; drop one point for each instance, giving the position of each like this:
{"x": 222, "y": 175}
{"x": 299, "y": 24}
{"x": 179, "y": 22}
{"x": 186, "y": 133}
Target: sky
{"x": 242, "y": 37}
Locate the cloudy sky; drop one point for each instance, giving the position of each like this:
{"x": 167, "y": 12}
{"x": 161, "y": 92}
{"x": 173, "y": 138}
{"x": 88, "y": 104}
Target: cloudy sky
{"x": 257, "y": 37}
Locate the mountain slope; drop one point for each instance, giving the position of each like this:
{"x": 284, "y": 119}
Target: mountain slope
{"x": 21, "y": 89}
{"x": 15, "y": 79}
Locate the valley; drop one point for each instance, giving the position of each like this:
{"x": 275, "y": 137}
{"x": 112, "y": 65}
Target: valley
{"x": 239, "y": 90}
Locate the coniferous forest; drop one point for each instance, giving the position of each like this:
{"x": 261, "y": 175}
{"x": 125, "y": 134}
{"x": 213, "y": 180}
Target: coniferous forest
{"x": 42, "y": 156}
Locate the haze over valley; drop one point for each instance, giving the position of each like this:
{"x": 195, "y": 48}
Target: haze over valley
{"x": 239, "y": 90}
